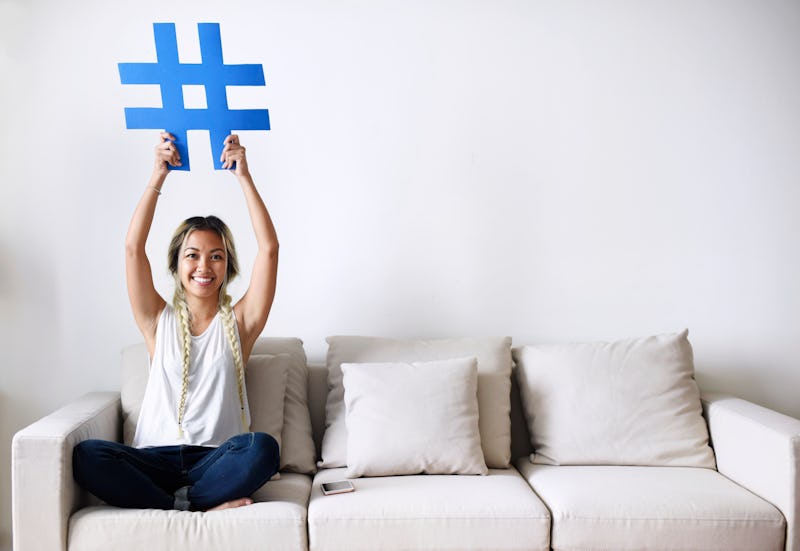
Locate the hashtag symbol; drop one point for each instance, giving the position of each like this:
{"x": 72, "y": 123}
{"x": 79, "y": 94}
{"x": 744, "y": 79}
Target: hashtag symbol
{"x": 170, "y": 74}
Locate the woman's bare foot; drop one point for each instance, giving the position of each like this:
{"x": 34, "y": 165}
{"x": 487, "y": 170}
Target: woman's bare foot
{"x": 232, "y": 504}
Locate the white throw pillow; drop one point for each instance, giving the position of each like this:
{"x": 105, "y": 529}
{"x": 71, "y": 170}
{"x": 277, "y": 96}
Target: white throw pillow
{"x": 630, "y": 402}
{"x": 494, "y": 386}
{"x": 411, "y": 418}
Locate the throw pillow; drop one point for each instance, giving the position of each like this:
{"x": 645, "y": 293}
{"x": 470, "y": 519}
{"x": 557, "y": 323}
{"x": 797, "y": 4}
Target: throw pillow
{"x": 410, "y": 418}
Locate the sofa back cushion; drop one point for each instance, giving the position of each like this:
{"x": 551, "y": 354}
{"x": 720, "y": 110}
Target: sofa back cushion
{"x": 494, "y": 386}
{"x": 265, "y": 379}
{"x": 298, "y": 453}
{"x": 630, "y": 402}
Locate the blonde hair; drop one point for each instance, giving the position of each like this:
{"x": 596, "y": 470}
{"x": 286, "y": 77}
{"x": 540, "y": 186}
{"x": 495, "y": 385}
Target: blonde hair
{"x": 184, "y": 316}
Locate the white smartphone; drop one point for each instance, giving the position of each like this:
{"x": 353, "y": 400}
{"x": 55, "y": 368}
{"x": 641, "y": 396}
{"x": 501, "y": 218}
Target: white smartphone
{"x": 338, "y": 487}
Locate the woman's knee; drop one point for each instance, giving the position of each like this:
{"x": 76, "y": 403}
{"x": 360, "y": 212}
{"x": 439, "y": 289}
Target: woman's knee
{"x": 87, "y": 457}
{"x": 265, "y": 442}
{"x": 266, "y": 448}
{"x": 254, "y": 441}
{"x": 258, "y": 449}
{"x": 88, "y": 450}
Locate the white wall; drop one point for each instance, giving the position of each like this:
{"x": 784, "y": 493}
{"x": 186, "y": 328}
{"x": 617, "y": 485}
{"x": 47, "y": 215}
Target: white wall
{"x": 548, "y": 170}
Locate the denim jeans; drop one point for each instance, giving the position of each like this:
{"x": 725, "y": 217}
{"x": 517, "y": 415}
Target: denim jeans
{"x": 164, "y": 477}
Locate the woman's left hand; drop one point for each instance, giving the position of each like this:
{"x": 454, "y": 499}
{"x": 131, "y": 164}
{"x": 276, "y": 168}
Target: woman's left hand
{"x": 234, "y": 152}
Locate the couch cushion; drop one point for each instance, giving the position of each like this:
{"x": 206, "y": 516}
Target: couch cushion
{"x": 411, "y": 418}
{"x": 494, "y": 386}
{"x": 278, "y": 517}
{"x": 630, "y": 402}
{"x": 265, "y": 377}
{"x": 495, "y": 512}
{"x": 298, "y": 453}
{"x": 655, "y": 508}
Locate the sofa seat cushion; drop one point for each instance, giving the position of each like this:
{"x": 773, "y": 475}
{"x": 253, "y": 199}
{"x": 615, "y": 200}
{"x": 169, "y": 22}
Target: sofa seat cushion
{"x": 494, "y": 512}
{"x": 276, "y": 519}
{"x": 656, "y": 508}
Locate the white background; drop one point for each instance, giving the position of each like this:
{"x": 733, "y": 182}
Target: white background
{"x": 553, "y": 171}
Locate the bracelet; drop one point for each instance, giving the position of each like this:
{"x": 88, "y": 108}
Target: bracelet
{"x": 154, "y": 188}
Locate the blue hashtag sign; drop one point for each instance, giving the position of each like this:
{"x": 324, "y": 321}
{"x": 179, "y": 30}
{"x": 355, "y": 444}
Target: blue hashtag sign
{"x": 212, "y": 73}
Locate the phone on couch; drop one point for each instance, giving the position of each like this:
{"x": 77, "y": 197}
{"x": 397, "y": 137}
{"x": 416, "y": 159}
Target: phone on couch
{"x": 338, "y": 487}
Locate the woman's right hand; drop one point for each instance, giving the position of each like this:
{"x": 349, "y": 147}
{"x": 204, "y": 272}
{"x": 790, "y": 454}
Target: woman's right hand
{"x": 166, "y": 154}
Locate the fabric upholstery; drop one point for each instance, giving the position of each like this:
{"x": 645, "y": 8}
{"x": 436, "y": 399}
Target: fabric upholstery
{"x": 265, "y": 377}
{"x": 497, "y": 512}
{"x": 276, "y": 520}
{"x": 759, "y": 449}
{"x": 756, "y": 448}
{"x": 654, "y": 508}
{"x": 44, "y": 493}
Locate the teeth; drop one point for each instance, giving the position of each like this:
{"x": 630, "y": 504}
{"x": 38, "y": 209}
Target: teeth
{"x": 202, "y": 279}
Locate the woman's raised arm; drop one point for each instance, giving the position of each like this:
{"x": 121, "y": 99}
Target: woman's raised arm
{"x": 146, "y": 303}
{"x": 253, "y": 308}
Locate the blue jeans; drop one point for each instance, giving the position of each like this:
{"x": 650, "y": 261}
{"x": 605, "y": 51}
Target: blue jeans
{"x": 175, "y": 477}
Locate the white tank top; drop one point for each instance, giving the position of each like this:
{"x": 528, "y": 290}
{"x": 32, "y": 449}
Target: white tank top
{"x": 213, "y": 413}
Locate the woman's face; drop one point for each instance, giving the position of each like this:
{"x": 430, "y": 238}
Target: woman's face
{"x": 203, "y": 263}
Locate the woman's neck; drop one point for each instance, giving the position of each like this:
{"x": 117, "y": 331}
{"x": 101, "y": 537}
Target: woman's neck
{"x": 202, "y": 313}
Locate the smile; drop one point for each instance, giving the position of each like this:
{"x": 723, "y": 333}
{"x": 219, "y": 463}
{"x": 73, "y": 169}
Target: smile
{"x": 203, "y": 280}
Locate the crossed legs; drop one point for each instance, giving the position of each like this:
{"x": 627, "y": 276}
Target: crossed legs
{"x": 177, "y": 477}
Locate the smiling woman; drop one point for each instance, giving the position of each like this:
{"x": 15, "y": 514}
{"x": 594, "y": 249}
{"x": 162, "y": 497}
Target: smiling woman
{"x": 202, "y": 260}
{"x": 192, "y": 449}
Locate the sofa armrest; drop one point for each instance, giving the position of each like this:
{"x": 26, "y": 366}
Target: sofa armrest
{"x": 44, "y": 494}
{"x": 759, "y": 449}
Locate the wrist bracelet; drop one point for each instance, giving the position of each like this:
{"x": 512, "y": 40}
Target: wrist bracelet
{"x": 154, "y": 188}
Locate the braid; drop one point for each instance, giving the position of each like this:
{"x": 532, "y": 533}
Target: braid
{"x": 184, "y": 318}
{"x": 229, "y": 323}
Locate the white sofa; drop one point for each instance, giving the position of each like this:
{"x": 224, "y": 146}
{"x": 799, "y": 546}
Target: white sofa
{"x": 751, "y": 501}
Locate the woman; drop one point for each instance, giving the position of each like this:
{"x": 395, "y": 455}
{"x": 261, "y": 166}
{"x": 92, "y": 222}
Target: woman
{"x": 192, "y": 449}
